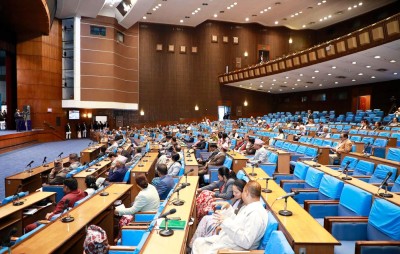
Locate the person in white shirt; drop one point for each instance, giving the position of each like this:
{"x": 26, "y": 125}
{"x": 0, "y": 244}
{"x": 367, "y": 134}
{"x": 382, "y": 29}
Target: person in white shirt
{"x": 175, "y": 167}
{"x": 243, "y": 231}
{"x": 261, "y": 152}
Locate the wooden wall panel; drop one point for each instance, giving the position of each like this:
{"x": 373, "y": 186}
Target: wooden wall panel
{"x": 109, "y": 69}
{"x": 39, "y": 77}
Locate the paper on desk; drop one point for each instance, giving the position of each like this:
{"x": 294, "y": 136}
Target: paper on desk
{"x": 158, "y": 223}
{"x": 121, "y": 206}
{"x": 30, "y": 211}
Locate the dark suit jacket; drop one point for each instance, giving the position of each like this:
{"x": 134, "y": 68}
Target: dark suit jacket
{"x": 218, "y": 160}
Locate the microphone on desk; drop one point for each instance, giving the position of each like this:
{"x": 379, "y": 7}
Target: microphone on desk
{"x": 315, "y": 159}
{"x": 285, "y": 211}
{"x": 266, "y": 190}
{"x": 30, "y": 164}
{"x": 17, "y": 202}
{"x": 103, "y": 193}
{"x": 44, "y": 162}
{"x": 178, "y": 201}
{"x": 385, "y": 184}
{"x": 172, "y": 211}
{"x": 346, "y": 171}
{"x": 186, "y": 174}
{"x": 68, "y": 218}
{"x": 254, "y": 165}
{"x": 59, "y": 156}
{"x": 90, "y": 143}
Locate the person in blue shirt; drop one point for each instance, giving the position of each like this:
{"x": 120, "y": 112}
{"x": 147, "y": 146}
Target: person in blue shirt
{"x": 117, "y": 173}
{"x": 165, "y": 182}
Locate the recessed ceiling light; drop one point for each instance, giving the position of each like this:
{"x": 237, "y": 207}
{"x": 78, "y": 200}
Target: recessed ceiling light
{"x": 313, "y": 77}
{"x": 265, "y": 10}
{"x": 247, "y": 19}
{"x": 301, "y": 74}
{"x": 232, "y": 5}
{"x": 193, "y": 13}
{"x": 196, "y": 11}
{"x": 144, "y": 17}
{"x": 269, "y": 8}
{"x": 298, "y": 80}
{"x": 274, "y": 80}
{"x": 269, "y": 91}
{"x": 154, "y": 9}
{"x": 316, "y": 71}
{"x": 329, "y": 16}
{"x": 261, "y": 12}
{"x": 160, "y": 5}
{"x": 306, "y": 86}
{"x": 355, "y": 6}
{"x": 333, "y": 67}
{"x": 336, "y": 82}
{"x": 392, "y": 61}
{"x": 372, "y": 76}
{"x": 377, "y": 57}
{"x": 285, "y": 82}
{"x": 360, "y": 3}
{"x": 228, "y": 7}
{"x": 235, "y": 3}
{"x": 240, "y": 85}
{"x": 286, "y": 77}
{"x": 329, "y": 74}
{"x": 292, "y": 88}
{"x": 349, "y": 8}
{"x": 199, "y": 9}
{"x": 276, "y": 22}
{"x": 320, "y": 84}
{"x": 262, "y": 82}
{"x": 360, "y": 74}
{"x": 368, "y": 66}
{"x": 181, "y": 20}
{"x": 261, "y": 85}
{"x": 304, "y": 26}
{"x": 394, "y": 73}
{"x": 295, "y": 84}
{"x": 353, "y": 62}
{"x": 353, "y": 80}
{"x": 318, "y": 3}
{"x": 215, "y": 15}
{"x": 272, "y": 84}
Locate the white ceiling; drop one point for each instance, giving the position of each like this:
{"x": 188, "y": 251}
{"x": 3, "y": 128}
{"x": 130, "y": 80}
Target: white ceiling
{"x": 342, "y": 70}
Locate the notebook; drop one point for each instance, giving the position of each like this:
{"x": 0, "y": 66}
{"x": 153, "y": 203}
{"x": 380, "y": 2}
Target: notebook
{"x": 174, "y": 224}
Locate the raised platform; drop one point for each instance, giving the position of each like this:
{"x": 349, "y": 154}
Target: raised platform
{"x": 12, "y": 139}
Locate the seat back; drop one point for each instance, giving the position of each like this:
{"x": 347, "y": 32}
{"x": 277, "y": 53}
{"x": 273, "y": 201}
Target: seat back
{"x": 228, "y": 162}
{"x": 347, "y": 204}
{"x": 11, "y": 198}
{"x": 364, "y": 168}
{"x": 367, "y": 140}
{"x": 380, "y": 142}
{"x": 384, "y": 221}
{"x": 301, "y": 149}
{"x": 330, "y": 187}
{"x": 272, "y": 225}
{"x": 336, "y": 136}
{"x": 318, "y": 142}
{"x": 273, "y": 158}
{"x": 131, "y": 237}
{"x": 381, "y": 172}
{"x": 293, "y": 147}
{"x": 278, "y": 244}
{"x": 393, "y": 154}
{"x": 353, "y": 162}
{"x": 384, "y": 134}
{"x": 58, "y": 189}
{"x": 327, "y": 142}
{"x": 311, "y": 151}
{"x": 286, "y": 145}
{"x": 279, "y": 143}
{"x": 300, "y": 170}
{"x": 313, "y": 177}
{"x": 355, "y": 138}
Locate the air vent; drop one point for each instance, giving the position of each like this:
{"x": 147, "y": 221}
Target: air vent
{"x": 341, "y": 77}
{"x": 221, "y": 11}
{"x": 277, "y": 3}
{"x": 339, "y": 12}
{"x": 283, "y": 86}
{"x": 381, "y": 70}
{"x": 310, "y": 82}
{"x": 205, "y": 3}
{"x": 310, "y": 7}
{"x": 149, "y": 13}
{"x": 187, "y": 17}
{"x": 254, "y": 15}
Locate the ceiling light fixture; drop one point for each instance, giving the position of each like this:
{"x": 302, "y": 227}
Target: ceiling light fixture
{"x": 276, "y": 22}
{"x": 368, "y": 66}
{"x": 215, "y": 15}
{"x": 377, "y": 57}
{"x": 290, "y": 40}
{"x": 392, "y": 61}
{"x": 353, "y": 62}
{"x": 247, "y": 19}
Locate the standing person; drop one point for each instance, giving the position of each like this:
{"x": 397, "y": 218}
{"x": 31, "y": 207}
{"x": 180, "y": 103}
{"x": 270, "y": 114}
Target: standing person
{"x": 67, "y": 131}
{"x": 78, "y": 130}
{"x": 84, "y": 130}
{"x": 18, "y": 120}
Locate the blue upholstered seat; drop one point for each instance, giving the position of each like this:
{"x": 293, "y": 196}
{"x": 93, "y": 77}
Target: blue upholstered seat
{"x": 299, "y": 173}
{"x": 381, "y": 172}
{"x": 364, "y": 168}
{"x": 278, "y": 244}
{"x": 352, "y": 165}
{"x": 272, "y": 225}
{"x": 312, "y": 180}
{"x": 393, "y": 154}
{"x": 12, "y": 198}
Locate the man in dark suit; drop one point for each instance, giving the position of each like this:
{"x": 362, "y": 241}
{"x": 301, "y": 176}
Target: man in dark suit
{"x": 67, "y": 131}
{"x": 217, "y": 160}
{"x": 18, "y": 120}
{"x": 165, "y": 183}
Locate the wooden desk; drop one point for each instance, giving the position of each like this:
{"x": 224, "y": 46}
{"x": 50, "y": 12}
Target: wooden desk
{"x": 145, "y": 166}
{"x": 376, "y": 160}
{"x": 31, "y": 181}
{"x": 154, "y": 147}
{"x": 190, "y": 162}
{"x": 356, "y": 182}
{"x": 90, "y": 153}
{"x": 59, "y": 237}
{"x": 301, "y": 230}
{"x": 96, "y": 170}
{"x": 127, "y": 146}
{"x": 283, "y": 163}
{"x": 177, "y": 242}
{"x": 238, "y": 160}
{"x": 12, "y": 216}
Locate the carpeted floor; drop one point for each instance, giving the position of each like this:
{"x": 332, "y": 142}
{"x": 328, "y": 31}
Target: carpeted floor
{"x": 16, "y": 161}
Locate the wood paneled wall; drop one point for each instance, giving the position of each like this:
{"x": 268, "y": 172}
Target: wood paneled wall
{"x": 39, "y": 77}
{"x": 109, "y": 69}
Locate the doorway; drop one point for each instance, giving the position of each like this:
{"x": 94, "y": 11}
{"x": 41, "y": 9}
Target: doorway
{"x": 364, "y": 102}
{"x": 224, "y": 112}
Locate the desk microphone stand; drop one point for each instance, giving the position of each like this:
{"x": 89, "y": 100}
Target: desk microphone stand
{"x": 68, "y": 218}
{"x": 252, "y": 170}
{"x": 103, "y": 193}
{"x": 347, "y": 177}
{"x": 266, "y": 190}
{"x": 285, "y": 211}
{"x": 186, "y": 183}
{"x": 385, "y": 195}
{"x": 17, "y": 202}
{"x": 177, "y": 202}
{"x": 166, "y": 231}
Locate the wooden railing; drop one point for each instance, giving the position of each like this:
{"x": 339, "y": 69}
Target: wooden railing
{"x": 379, "y": 33}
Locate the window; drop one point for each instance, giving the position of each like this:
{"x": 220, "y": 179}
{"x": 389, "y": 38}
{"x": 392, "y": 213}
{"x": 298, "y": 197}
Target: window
{"x": 98, "y": 30}
{"x": 120, "y": 37}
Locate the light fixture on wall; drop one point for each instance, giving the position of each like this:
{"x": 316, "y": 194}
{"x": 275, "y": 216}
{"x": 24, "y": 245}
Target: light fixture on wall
{"x": 246, "y": 54}
{"x": 290, "y": 40}
{"x": 84, "y": 115}
{"x": 196, "y": 108}
{"x": 245, "y": 103}
{"x": 142, "y": 112}
{"x": 89, "y": 115}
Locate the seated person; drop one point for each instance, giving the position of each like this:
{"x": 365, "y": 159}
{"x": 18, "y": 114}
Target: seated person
{"x": 73, "y": 162}
{"x": 190, "y": 139}
{"x": 213, "y": 150}
{"x": 96, "y": 241}
{"x": 394, "y": 122}
{"x": 217, "y": 160}
{"x": 241, "y": 231}
{"x": 175, "y": 167}
{"x": 377, "y": 126}
{"x": 261, "y": 153}
{"x": 250, "y": 147}
{"x": 117, "y": 173}
{"x": 103, "y": 150}
{"x": 343, "y": 147}
{"x": 201, "y": 143}
{"x": 206, "y": 196}
{"x": 164, "y": 182}
{"x": 207, "y": 225}
{"x": 72, "y": 193}
{"x": 147, "y": 200}
{"x": 91, "y": 187}
{"x": 57, "y": 174}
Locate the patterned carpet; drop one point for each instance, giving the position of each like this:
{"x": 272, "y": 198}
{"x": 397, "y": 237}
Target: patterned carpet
{"x": 16, "y": 161}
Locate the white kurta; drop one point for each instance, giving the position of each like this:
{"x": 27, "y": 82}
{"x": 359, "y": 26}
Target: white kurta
{"x": 260, "y": 155}
{"x": 243, "y": 231}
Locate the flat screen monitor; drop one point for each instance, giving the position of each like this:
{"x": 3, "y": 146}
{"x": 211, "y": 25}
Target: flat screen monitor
{"x": 73, "y": 114}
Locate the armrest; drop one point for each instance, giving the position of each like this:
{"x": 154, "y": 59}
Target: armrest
{"x": 387, "y": 244}
{"x": 14, "y": 238}
{"x": 136, "y": 227}
{"x": 282, "y": 174}
{"x": 43, "y": 221}
{"x": 361, "y": 176}
{"x": 122, "y": 248}
{"x": 291, "y": 181}
{"x": 308, "y": 203}
{"x": 329, "y": 220}
{"x": 305, "y": 190}
{"x": 139, "y": 224}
